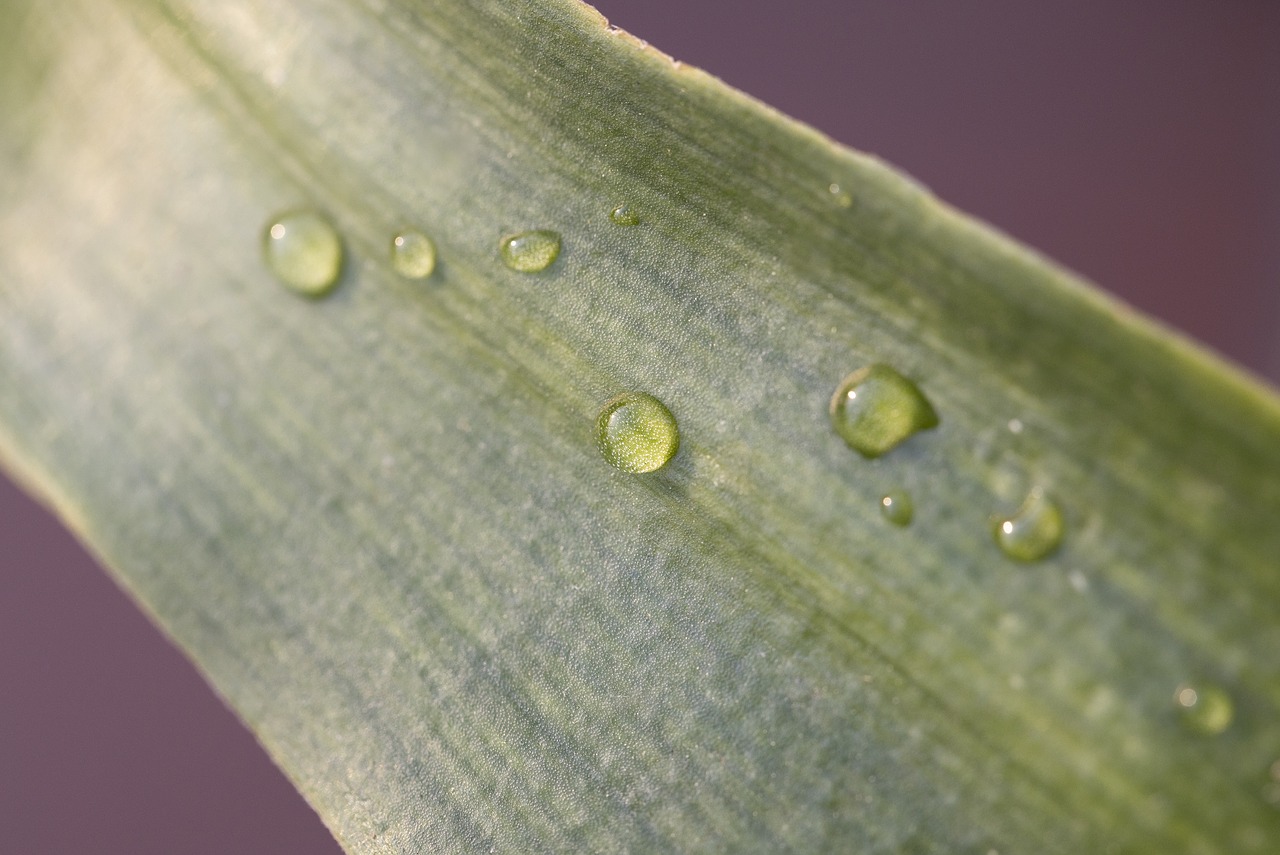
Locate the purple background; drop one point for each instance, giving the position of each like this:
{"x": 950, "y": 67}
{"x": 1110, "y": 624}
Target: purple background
{"x": 1137, "y": 142}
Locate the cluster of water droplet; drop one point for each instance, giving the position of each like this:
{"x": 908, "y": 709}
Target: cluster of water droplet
{"x": 874, "y": 409}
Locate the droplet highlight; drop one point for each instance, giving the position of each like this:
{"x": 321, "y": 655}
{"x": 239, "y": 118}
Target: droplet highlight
{"x": 1033, "y": 531}
{"x": 897, "y": 508}
{"x": 876, "y": 409}
{"x": 1204, "y": 708}
{"x": 413, "y": 254}
{"x": 303, "y": 251}
{"x": 637, "y": 433}
{"x": 624, "y": 215}
{"x": 530, "y": 252}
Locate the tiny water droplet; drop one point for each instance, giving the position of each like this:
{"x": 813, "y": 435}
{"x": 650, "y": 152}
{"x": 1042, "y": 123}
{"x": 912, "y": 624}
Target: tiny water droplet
{"x": 841, "y": 198}
{"x": 1204, "y": 708}
{"x": 530, "y": 252}
{"x": 897, "y": 507}
{"x": 1015, "y": 425}
{"x": 625, "y": 215}
{"x": 1275, "y": 771}
{"x": 637, "y": 433}
{"x": 413, "y": 255}
{"x": 875, "y": 409}
{"x": 303, "y": 251}
{"x": 1033, "y": 531}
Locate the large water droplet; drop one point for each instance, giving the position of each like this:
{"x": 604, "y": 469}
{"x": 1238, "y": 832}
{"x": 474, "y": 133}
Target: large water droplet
{"x": 303, "y": 251}
{"x": 625, "y": 215}
{"x": 413, "y": 255}
{"x": 637, "y": 433}
{"x": 529, "y": 252}
{"x": 1033, "y": 531}
{"x": 897, "y": 507}
{"x": 876, "y": 408}
{"x": 1204, "y": 708}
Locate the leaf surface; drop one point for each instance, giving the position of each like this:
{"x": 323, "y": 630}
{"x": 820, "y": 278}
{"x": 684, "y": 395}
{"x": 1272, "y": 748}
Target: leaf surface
{"x": 379, "y": 522}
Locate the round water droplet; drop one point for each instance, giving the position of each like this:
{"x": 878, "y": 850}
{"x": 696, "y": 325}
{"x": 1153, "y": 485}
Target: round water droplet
{"x": 637, "y": 433}
{"x": 413, "y": 255}
{"x": 875, "y": 409}
{"x": 898, "y": 508}
{"x": 1204, "y": 708}
{"x": 625, "y": 215}
{"x": 303, "y": 251}
{"x": 1033, "y": 531}
{"x": 841, "y": 198}
{"x": 530, "y": 252}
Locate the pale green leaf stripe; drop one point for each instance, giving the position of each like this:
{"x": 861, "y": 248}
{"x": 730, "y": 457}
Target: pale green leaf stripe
{"x": 380, "y": 523}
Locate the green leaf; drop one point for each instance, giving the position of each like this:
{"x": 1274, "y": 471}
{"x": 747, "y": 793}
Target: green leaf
{"x": 380, "y": 521}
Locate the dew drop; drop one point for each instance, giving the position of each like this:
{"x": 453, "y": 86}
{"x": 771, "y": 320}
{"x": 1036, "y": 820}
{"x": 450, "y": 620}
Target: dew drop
{"x": 1204, "y": 708}
{"x": 637, "y": 433}
{"x": 413, "y": 255}
{"x": 897, "y": 508}
{"x": 303, "y": 251}
{"x": 839, "y": 196}
{"x": 530, "y": 252}
{"x": 875, "y": 409}
{"x": 625, "y": 215}
{"x": 1033, "y": 531}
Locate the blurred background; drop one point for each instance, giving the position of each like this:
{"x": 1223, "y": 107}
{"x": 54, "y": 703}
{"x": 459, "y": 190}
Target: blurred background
{"x": 1136, "y": 141}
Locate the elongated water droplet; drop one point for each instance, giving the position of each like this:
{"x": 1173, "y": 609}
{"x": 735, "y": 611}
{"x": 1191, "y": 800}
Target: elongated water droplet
{"x": 413, "y": 255}
{"x": 875, "y": 409}
{"x": 1204, "y": 708}
{"x": 303, "y": 251}
{"x": 625, "y": 215}
{"x": 897, "y": 507}
{"x": 530, "y": 252}
{"x": 1033, "y": 531}
{"x": 637, "y": 433}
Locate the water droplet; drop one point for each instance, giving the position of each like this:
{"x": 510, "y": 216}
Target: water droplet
{"x": 637, "y": 433}
{"x": 1204, "y": 708}
{"x": 841, "y": 198}
{"x": 875, "y": 408}
{"x": 1275, "y": 771}
{"x": 625, "y": 215}
{"x": 1033, "y": 531}
{"x": 897, "y": 507}
{"x": 530, "y": 252}
{"x": 413, "y": 255}
{"x": 303, "y": 251}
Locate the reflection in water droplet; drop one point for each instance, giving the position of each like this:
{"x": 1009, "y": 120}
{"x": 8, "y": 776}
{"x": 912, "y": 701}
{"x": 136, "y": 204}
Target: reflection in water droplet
{"x": 530, "y": 252}
{"x": 875, "y": 408}
{"x": 637, "y": 433}
{"x": 625, "y": 215}
{"x": 413, "y": 255}
{"x": 1033, "y": 531}
{"x": 897, "y": 507}
{"x": 1204, "y": 708}
{"x": 303, "y": 251}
